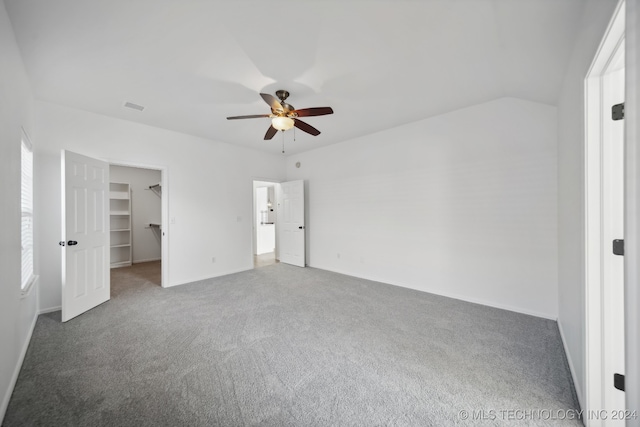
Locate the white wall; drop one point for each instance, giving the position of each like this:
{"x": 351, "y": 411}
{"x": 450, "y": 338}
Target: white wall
{"x": 17, "y": 315}
{"x": 462, "y": 204}
{"x": 571, "y": 247}
{"x": 145, "y": 208}
{"x": 210, "y": 190}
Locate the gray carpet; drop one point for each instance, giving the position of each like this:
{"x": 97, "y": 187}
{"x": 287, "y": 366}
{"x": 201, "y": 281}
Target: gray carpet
{"x": 286, "y": 346}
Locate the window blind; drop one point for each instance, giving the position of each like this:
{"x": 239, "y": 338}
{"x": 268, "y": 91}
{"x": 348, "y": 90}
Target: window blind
{"x": 26, "y": 190}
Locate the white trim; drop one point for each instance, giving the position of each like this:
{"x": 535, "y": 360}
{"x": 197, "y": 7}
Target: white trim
{"x": 593, "y": 254}
{"x": 16, "y": 371}
{"x": 200, "y": 279}
{"x": 49, "y": 310}
{"x": 140, "y": 261}
{"x": 479, "y": 301}
{"x": 611, "y": 38}
{"x": 26, "y": 291}
{"x": 572, "y": 368}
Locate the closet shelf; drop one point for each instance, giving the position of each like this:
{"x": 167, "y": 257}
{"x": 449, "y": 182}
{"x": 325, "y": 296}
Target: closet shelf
{"x": 120, "y": 224}
{"x": 119, "y": 195}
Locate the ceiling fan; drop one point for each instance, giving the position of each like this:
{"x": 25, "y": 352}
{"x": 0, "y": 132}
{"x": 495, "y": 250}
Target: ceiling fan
{"x": 284, "y": 116}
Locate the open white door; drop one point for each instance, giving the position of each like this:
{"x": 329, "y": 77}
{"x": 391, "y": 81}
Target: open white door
{"x": 604, "y": 227}
{"x": 85, "y": 234}
{"x": 291, "y": 227}
{"x": 613, "y": 228}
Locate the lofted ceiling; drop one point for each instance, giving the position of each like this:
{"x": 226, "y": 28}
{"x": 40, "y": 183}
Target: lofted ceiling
{"x": 378, "y": 63}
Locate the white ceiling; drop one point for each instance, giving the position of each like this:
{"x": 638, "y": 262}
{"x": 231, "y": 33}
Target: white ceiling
{"x": 378, "y": 63}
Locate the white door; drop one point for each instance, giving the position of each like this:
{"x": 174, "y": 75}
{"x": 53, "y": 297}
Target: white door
{"x": 604, "y": 201}
{"x": 85, "y": 234}
{"x": 291, "y": 227}
{"x": 613, "y": 228}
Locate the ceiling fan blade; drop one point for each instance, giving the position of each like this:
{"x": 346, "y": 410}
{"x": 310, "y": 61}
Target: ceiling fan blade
{"x": 270, "y": 133}
{"x": 317, "y": 111}
{"x": 306, "y": 127}
{"x": 253, "y": 116}
{"x": 272, "y": 101}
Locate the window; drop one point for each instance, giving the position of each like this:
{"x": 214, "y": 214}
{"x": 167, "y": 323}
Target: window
{"x": 26, "y": 190}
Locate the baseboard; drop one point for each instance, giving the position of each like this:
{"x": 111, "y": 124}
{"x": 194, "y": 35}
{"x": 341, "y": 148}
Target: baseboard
{"x": 453, "y": 296}
{"x": 494, "y": 305}
{"x": 226, "y": 273}
{"x": 146, "y": 260}
{"x": 49, "y": 310}
{"x": 571, "y": 367}
{"x": 16, "y": 372}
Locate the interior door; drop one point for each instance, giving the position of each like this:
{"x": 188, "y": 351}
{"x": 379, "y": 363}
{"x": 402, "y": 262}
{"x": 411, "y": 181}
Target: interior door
{"x": 613, "y": 228}
{"x": 85, "y": 234}
{"x": 291, "y": 226}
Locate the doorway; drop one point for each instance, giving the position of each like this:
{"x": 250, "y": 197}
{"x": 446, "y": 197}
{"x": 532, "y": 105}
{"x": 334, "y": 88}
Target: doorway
{"x": 604, "y": 222}
{"x": 282, "y": 206}
{"x": 91, "y": 209}
{"x": 264, "y": 224}
{"x": 154, "y": 219}
{"x": 135, "y": 227}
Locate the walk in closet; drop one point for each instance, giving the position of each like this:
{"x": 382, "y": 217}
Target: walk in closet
{"x": 135, "y": 215}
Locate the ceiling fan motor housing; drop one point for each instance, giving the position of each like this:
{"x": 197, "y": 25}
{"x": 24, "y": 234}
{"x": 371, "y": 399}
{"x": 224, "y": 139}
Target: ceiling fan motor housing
{"x": 282, "y": 94}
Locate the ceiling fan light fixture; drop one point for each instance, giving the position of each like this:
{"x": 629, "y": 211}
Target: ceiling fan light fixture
{"x": 284, "y": 116}
{"x": 282, "y": 123}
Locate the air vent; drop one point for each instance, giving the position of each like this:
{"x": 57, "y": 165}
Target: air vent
{"x": 133, "y": 106}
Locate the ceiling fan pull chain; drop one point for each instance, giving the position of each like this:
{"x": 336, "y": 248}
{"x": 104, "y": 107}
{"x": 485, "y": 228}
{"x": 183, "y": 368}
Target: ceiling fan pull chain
{"x": 282, "y": 142}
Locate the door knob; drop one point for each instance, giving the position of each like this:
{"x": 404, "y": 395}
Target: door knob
{"x": 72, "y": 243}
{"x": 301, "y": 227}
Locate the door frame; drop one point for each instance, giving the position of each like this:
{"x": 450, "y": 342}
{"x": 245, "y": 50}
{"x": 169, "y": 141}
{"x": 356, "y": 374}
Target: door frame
{"x": 594, "y": 246}
{"x": 164, "y": 181}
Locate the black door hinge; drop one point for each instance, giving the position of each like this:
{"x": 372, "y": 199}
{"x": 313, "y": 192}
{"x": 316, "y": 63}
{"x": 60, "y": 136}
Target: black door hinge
{"x": 618, "y": 381}
{"x": 618, "y": 247}
{"x": 617, "y": 112}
